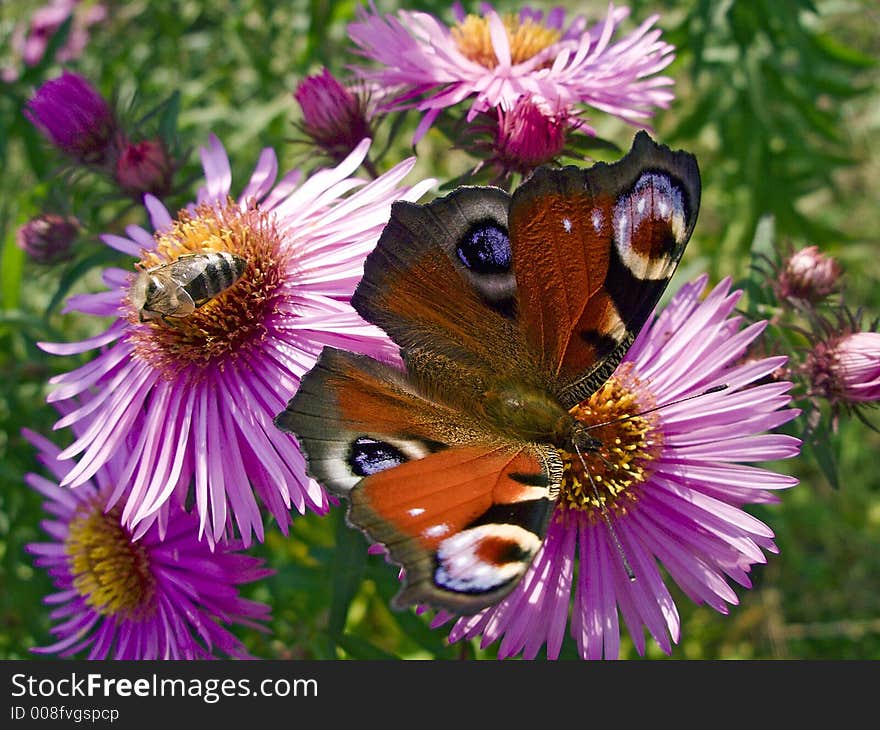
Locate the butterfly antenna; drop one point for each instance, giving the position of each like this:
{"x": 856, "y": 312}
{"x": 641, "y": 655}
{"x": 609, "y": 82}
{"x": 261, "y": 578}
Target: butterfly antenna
{"x": 605, "y": 514}
{"x": 713, "y": 389}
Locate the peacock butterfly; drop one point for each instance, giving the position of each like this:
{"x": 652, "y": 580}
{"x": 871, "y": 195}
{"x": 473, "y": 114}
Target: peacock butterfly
{"x": 509, "y": 310}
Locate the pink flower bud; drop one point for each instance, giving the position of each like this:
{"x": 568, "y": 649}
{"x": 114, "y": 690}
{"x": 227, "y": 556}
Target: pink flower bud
{"x": 529, "y": 136}
{"x": 48, "y": 238}
{"x": 808, "y": 274}
{"x": 847, "y": 368}
{"x": 144, "y": 167}
{"x": 333, "y": 116}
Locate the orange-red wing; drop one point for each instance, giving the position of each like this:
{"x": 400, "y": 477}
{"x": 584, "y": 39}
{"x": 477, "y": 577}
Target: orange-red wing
{"x": 464, "y": 523}
{"x": 353, "y": 415}
{"x": 462, "y": 510}
{"x": 593, "y": 251}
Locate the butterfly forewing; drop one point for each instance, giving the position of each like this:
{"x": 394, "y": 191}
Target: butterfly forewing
{"x": 441, "y": 284}
{"x": 593, "y": 251}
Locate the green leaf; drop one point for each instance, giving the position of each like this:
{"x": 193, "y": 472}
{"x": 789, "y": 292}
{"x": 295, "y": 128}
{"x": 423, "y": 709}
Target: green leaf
{"x": 841, "y": 53}
{"x": 11, "y": 271}
{"x": 822, "y": 447}
{"x": 360, "y": 648}
{"x": 168, "y": 117}
{"x": 347, "y": 571}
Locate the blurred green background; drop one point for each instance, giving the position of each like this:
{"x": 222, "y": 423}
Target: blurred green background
{"x": 779, "y": 101}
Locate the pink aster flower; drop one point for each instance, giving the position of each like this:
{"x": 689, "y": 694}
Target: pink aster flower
{"x": 672, "y": 483}
{"x": 198, "y": 388}
{"x": 165, "y": 595}
{"x": 492, "y": 60}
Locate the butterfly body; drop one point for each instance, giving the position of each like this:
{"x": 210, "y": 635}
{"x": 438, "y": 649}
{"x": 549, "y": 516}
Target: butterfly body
{"x": 509, "y": 310}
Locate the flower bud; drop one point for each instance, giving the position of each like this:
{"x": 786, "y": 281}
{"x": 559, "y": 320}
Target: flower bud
{"x": 528, "y": 136}
{"x": 333, "y": 116}
{"x": 847, "y": 368}
{"x": 144, "y": 167}
{"x": 74, "y": 117}
{"x": 808, "y": 274}
{"x": 48, "y": 238}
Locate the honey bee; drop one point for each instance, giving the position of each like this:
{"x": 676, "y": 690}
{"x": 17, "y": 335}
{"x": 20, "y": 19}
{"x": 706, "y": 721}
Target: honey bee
{"x": 178, "y": 288}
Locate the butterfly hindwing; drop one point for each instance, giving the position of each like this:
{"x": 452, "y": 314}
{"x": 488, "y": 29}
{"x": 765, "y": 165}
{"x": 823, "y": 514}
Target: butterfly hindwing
{"x": 464, "y": 522}
{"x": 461, "y": 510}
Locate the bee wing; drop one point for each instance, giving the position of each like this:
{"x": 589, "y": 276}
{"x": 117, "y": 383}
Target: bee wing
{"x": 186, "y": 268}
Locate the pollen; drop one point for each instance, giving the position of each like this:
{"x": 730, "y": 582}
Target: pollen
{"x": 110, "y": 571}
{"x": 526, "y": 38}
{"x": 622, "y": 463}
{"x": 230, "y": 323}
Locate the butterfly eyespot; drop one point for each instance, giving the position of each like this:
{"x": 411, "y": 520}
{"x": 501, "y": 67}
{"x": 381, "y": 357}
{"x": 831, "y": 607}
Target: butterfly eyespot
{"x": 485, "y": 249}
{"x": 369, "y": 456}
{"x": 484, "y": 558}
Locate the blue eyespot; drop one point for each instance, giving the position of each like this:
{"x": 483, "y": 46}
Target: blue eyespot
{"x": 369, "y": 456}
{"x": 485, "y": 249}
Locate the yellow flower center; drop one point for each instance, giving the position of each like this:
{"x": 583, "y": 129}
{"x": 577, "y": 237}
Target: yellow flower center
{"x": 110, "y": 572}
{"x": 621, "y": 464}
{"x": 526, "y": 39}
{"x": 227, "y": 324}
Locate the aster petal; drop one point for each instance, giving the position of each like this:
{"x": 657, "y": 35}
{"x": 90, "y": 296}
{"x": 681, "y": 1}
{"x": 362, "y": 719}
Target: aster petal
{"x": 112, "y": 333}
{"x": 160, "y": 218}
{"x": 102, "y": 440}
{"x": 282, "y": 190}
{"x": 147, "y": 459}
{"x": 142, "y": 237}
{"x": 164, "y": 479}
{"x": 263, "y": 177}
{"x": 119, "y": 243}
{"x": 303, "y": 198}
{"x": 498, "y": 34}
{"x": 218, "y": 174}
{"x": 650, "y": 599}
{"x": 595, "y": 600}
{"x": 690, "y": 571}
{"x": 104, "y": 304}
{"x": 200, "y": 449}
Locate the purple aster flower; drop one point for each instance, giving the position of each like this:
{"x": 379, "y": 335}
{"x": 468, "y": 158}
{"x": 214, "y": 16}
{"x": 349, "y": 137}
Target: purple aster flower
{"x": 165, "y": 595}
{"x": 74, "y": 117}
{"x": 670, "y": 482}
{"x": 199, "y": 392}
{"x": 492, "y": 60}
{"x": 335, "y": 118}
{"x": 48, "y": 238}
